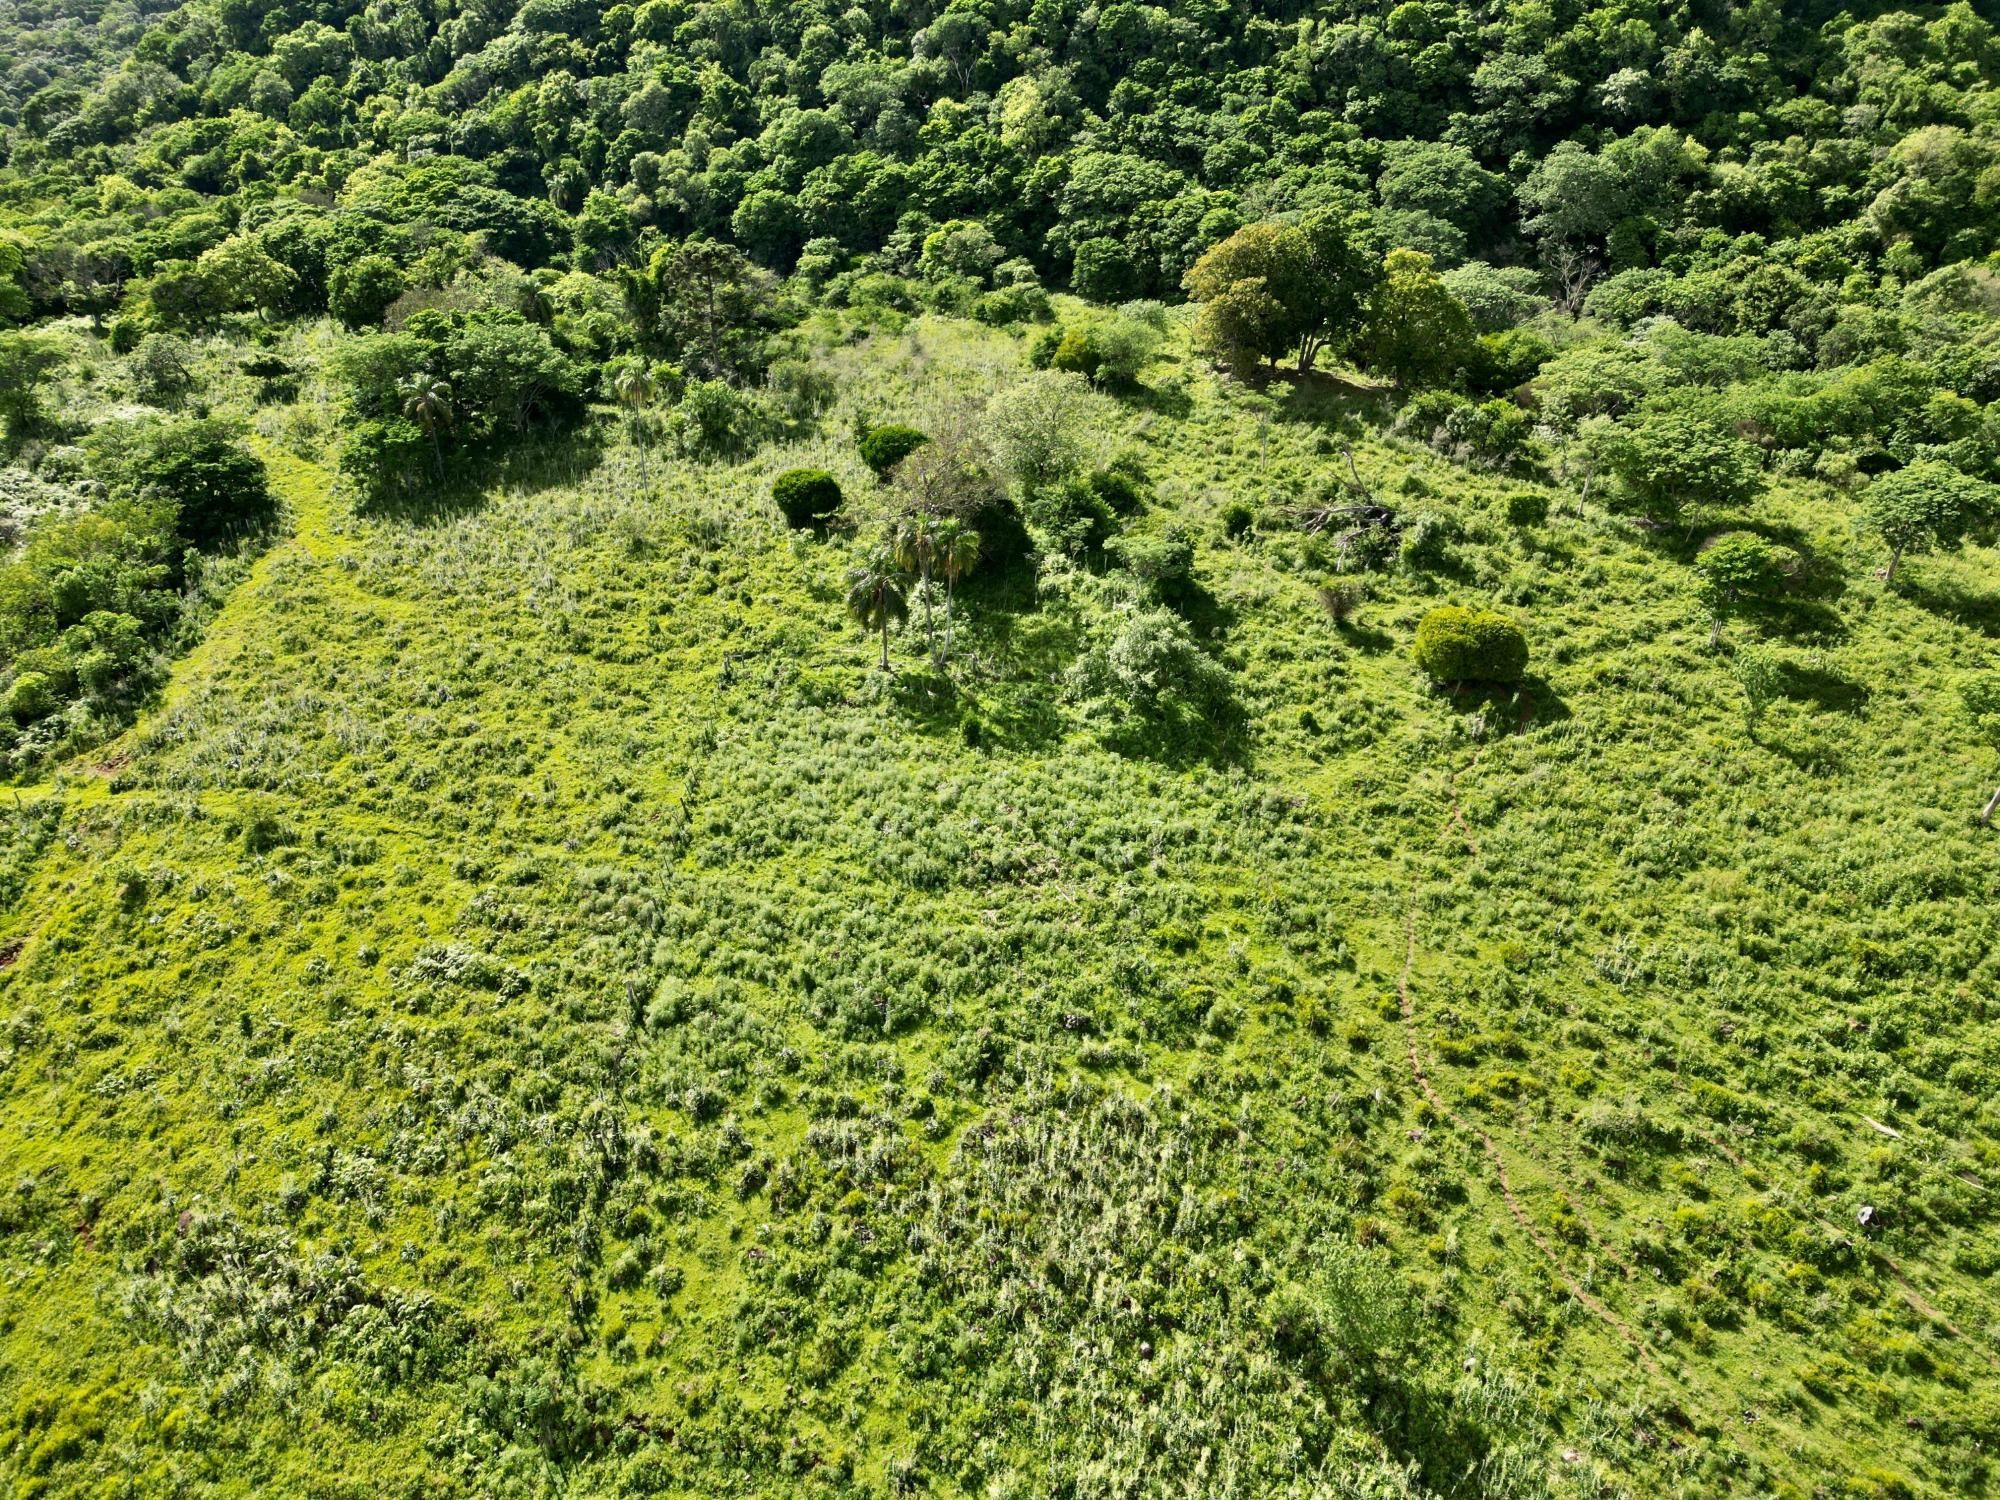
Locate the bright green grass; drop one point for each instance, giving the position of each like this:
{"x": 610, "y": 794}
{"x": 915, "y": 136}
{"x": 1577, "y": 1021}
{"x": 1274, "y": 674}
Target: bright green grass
{"x": 531, "y": 1012}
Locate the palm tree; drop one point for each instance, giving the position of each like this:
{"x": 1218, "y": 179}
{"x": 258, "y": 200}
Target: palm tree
{"x": 958, "y": 554}
{"x": 915, "y": 546}
{"x": 636, "y": 389}
{"x": 427, "y": 402}
{"x": 875, "y": 595}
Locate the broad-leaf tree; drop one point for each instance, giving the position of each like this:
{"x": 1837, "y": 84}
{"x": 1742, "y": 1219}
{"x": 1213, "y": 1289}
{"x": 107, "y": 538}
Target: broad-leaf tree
{"x": 1925, "y": 507}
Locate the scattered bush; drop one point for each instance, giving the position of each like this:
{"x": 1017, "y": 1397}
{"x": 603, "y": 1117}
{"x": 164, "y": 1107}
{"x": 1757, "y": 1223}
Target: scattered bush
{"x": 882, "y": 448}
{"x": 32, "y": 696}
{"x": 807, "y": 497}
{"x": 1456, "y": 645}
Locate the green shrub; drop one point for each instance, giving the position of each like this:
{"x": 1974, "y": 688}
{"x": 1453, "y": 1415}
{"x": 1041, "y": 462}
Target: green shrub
{"x": 1455, "y": 644}
{"x": 806, "y": 496}
{"x": 1162, "y": 563}
{"x": 715, "y": 420}
{"x": 1526, "y": 508}
{"x": 882, "y": 448}
{"x": 1013, "y": 304}
{"x": 31, "y": 697}
{"x": 1077, "y": 354}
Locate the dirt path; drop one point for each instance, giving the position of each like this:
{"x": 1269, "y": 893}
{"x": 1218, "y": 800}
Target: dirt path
{"x": 1583, "y": 1296}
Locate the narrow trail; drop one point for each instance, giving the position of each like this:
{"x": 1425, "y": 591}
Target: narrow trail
{"x": 1583, "y": 1296}
{"x": 303, "y": 488}
{"x": 1456, "y": 819}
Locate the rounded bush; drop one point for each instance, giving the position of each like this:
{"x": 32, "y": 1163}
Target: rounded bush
{"x": 1471, "y": 645}
{"x": 31, "y": 697}
{"x": 1526, "y": 508}
{"x": 1077, "y": 354}
{"x": 882, "y": 448}
{"x": 806, "y": 496}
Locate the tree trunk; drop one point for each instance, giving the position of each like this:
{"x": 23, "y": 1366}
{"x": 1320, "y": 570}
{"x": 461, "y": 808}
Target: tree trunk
{"x": 930, "y": 625}
{"x": 885, "y": 641}
{"x": 947, "y": 614}
{"x": 1991, "y": 803}
{"x": 437, "y": 453}
{"x": 1895, "y": 556}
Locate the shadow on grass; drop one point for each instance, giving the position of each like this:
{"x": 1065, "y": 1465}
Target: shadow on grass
{"x": 540, "y": 461}
{"x": 1207, "y": 616}
{"x": 1824, "y": 689}
{"x": 1975, "y": 608}
{"x": 1510, "y": 708}
{"x": 1333, "y": 401}
{"x": 1161, "y": 401}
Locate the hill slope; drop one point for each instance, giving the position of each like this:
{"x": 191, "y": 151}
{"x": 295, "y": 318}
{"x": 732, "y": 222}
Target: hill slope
{"x": 534, "y": 1012}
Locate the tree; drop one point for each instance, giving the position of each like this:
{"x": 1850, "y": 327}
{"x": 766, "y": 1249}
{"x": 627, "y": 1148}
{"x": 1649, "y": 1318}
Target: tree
{"x": 1125, "y": 344}
{"x": 1457, "y": 645}
{"x": 914, "y": 545}
{"x": 1925, "y": 507}
{"x": 14, "y": 304}
{"x": 957, "y": 555}
{"x": 710, "y": 298}
{"x": 1760, "y": 672}
{"x": 201, "y": 466}
{"x": 360, "y": 292}
{"x": 163, "y": 369}
{"x": 427, "y": 403}
{"x": 806, "y": 497}
{"x": 243, "y": 276}
{"x": 27, "y": 360}
{"x": 1980, "y": 697}
{"x": 1417, "y": 333}
{"x": 505, "y": 370}
{"x": 1272, "y": 289}
{"x": 1738, "y": 567}
{"x": 636, "y": 388}
{"x": 882, "y": 448}
{"x": 1103, "y": 270}
{"x": 875, "y": 596}
{"x": 959, "y": 247}
{"x": 1037, "y": 429}
{"x": 1676, "y": 453}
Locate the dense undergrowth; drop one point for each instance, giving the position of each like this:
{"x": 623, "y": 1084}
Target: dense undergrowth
{"x": 693, "y": 804}
{"x": 533, "y": 1012}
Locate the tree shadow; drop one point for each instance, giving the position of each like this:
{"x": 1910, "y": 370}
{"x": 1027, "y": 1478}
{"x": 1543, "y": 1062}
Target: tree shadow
{"x": 1975, "y": 608}
{"x": 1824, "y": 689}
{"x": 1510, "y": 708}
{"x": 1207, "y": 616}
{"x": 1369, "y": 639}
{"x": 1325, "y": 400}
{"x": 554, "y": 459}
{"x": 1161, "y": 400}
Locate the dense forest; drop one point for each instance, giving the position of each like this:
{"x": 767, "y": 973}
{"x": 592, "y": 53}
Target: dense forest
{"x": 1014, "y": 749}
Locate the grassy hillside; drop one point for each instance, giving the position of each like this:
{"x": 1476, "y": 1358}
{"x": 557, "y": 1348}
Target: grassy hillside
{"x": 534, "y": 1012}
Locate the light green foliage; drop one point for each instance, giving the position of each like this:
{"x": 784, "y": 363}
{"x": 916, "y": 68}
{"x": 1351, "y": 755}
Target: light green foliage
{"x": 552, "y": 866}
{"x": 1674, "y": 455}
{"x": 1455, "y": 644}
{"x": 1923, "y": 508}
{"x": 1760, "y": 673}
{"x": 502, "y": 994}
{"x": 1038, "y": 428}
{"x": 1417, "y": 332}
